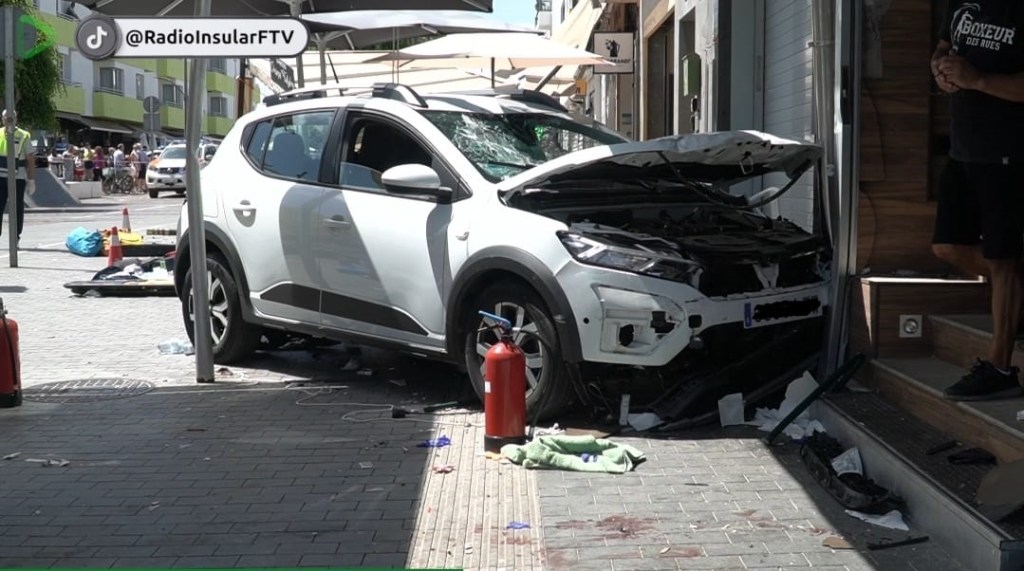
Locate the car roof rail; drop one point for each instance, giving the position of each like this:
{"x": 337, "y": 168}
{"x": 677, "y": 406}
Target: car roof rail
{"x": 516, "y": 94}
{"x": 303, "y": 94}
{"x": 399, "y": 92}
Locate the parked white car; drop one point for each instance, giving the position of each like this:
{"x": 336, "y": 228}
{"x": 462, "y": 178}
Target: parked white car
{"x": 393, "y": 218}
{"x": 167, "y": 171}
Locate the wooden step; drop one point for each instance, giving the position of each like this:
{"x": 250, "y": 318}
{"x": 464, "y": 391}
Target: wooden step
{"x": 915, "y": 385}
{"x": 939, "y": 496}
{"x": 962, "y": 338}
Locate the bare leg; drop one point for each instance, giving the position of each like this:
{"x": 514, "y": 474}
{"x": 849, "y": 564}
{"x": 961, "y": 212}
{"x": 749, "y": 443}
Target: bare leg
{"x": 1006, "y": 308}
{"x": 966, "y": 258}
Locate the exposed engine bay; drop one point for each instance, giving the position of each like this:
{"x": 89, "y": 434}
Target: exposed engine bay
{"x": 720, "y": 250}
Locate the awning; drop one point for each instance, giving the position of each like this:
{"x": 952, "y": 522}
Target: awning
{"x": 109, "y": 126}
{"x": 574, "y": 32}
{"x": 70, "y": 117}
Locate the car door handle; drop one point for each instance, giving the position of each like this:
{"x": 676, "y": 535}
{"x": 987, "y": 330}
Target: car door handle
{"x": 244, "y": 207}
{"x": 337, "y": 221}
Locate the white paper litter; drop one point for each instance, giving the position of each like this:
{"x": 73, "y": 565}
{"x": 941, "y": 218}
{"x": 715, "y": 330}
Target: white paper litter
{"x": 848, "y": 462}
{"x": 12, "y": 455}
{"x": 730, "y": 409}
{"x": 891, "y": 520}
{"x": 798, "y": 390}
{"x": 643, "y": 421}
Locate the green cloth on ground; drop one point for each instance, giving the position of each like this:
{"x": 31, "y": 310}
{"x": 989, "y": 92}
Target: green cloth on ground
{"x": 563, "y": 452}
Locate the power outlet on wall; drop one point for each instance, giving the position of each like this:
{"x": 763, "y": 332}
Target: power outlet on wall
{"x": 911, "y": 326}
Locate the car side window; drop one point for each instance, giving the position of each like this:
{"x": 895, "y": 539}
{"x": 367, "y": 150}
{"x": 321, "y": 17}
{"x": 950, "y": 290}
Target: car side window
{"x": 373, "y": 146}
{"x": 258, "y": 142}
{"x": 294, "y": 144}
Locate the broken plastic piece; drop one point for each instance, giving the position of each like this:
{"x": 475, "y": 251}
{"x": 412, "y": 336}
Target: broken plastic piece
{"x": 446, "y": 469}
{"x": 366, "y": 465}
{"x": 891, "y": 520}
{"x": 517, "y": 525}
{"x": 836, "y": 542}
{"x": 12, "y": 455}
{"x": 435, "y": 443}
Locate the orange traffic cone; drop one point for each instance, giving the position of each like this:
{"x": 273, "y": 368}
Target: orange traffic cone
{"x": 125, "y": 222}
{"x": 115, "y": 254}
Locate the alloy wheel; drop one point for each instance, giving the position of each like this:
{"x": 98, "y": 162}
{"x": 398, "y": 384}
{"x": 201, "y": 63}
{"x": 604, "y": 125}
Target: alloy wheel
{"x": 218, "y": 308}
{"x": 526, "y": 337}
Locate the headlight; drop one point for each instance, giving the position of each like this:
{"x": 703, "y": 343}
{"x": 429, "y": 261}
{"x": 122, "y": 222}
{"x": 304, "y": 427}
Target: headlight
{"x": 596, "y": 253}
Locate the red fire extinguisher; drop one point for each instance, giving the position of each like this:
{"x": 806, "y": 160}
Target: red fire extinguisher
{"x": 10, "y": 361}
{"x": 504, "y": 388}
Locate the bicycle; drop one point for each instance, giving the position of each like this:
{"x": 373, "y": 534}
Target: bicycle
{"x": 120, "y": 182}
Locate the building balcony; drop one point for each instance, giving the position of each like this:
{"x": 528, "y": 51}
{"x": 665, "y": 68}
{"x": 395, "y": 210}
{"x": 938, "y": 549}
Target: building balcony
{"x": 216, "y": 81}
{"x": 170, "y": 68}
{"x": 117, "y": 107}
{"x": 172, "y": 117}
{"x": 63, "y": 28}
{"x": 72, "y": 100}
{"x": 218, "y": 126}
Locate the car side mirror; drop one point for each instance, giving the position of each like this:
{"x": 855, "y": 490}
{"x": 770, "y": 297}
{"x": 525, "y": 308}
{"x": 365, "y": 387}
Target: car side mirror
{"x": 413, "y": 179}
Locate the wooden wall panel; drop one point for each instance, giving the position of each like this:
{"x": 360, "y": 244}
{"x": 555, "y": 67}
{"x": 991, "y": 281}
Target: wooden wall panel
{"x": 896, "y": 146}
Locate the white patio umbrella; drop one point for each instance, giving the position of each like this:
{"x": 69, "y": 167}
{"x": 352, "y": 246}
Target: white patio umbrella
{"x": 360, "y": 29}
{"x": 516, "y": 51}
{"x": 194, "y": 116}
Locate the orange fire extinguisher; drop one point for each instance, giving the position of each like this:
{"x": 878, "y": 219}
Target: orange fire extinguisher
{"x": 504, "y": 388}
{"x": 10, "y": 361}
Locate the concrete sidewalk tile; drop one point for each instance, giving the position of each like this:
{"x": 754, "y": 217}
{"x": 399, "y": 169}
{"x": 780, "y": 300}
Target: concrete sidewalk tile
{"x": 119, "y": 551}
{"x": 334, "y": 560}
{"x": 144, "y": 562}
{"x": 185, "y": 550}
{"x": 208, "y": 562}
{"x": 83, "y": 562}
{"x": 238, "y": 549}
{"x": 266, "y": 561}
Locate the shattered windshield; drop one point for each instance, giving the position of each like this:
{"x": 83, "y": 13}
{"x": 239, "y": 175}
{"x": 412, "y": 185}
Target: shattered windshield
{"x": 504, "y": 145}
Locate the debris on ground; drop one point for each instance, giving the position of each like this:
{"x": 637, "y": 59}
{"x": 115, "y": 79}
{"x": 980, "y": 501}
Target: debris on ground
{"x": 446, "y": 469}
{"x": 12, "y": 456}
{"x": 891, "y": 520}
{"x": 176, "y": 347}
{"x": 398, "y": 382}
{"x": 803, "y": 426}
{"x": 435, "y": 443}
{"x": 130, "y": 277}
{"x": 851, "y": 488}
{"x": 890, "y": 544}
{"x": 836, "y": 542}
{"x": 517, "y": 525}
{"x": 565, "y": 452}
{"x": 225, "y": 372}
{"x": 47, "y": 462}
{"x": 366, "y": 465}
{"x": 364, "y": 372}
{"x": 494, "y": 456}
{"x": 972, "y": 456}
{"x": 554, "y": 429}
{"x": 153, "y": 506}
{"x": 731, "y": 410}
{"x": 1020, "y": 415}
{"x": 644, "y": 421}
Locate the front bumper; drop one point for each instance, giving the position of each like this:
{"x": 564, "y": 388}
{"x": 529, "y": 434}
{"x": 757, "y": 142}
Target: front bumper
{"x": 627, "y": 319}
{"x": 167, "y": 181}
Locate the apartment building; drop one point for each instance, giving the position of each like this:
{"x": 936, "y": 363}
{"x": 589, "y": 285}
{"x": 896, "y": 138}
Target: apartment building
{"x": 102, "y": 103}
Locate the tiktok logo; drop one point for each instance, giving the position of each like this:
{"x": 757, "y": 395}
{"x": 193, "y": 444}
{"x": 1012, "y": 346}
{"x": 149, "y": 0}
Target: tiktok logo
{"x": 97, "y": 37}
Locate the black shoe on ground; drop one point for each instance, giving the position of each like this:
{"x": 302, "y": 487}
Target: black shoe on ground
{"x": 986, "y": 382}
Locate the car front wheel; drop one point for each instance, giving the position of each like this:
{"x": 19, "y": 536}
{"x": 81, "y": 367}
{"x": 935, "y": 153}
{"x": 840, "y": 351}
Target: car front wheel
{"x": 233, "y": 338}
{"x": 548, "y": 385}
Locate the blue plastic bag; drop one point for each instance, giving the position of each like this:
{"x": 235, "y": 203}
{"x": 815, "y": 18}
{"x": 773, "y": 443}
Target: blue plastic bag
{"x": 86, "y": 243}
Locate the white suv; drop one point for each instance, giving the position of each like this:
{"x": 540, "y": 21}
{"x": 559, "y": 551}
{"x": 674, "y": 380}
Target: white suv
{"x": 392, "y": 218}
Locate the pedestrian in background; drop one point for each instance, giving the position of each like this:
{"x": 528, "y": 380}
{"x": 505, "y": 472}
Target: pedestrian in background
{"x": 99, "y": 161}
{"x": 25, "y": 170}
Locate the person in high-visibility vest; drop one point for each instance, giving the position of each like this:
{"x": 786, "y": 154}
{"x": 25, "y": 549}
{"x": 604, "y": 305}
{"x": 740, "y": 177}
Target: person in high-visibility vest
{"x": 26, "y": 169}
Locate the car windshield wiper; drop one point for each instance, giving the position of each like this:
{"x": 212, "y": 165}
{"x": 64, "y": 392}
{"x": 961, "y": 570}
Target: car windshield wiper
{"x": 512, "y": 165}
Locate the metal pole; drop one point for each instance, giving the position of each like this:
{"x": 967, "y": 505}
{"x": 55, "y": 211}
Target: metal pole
{"x": 321, "y": 46}
{"x": 197, "y": 228}
{"x": 12, "y": 155}
{"x": 296, "y": 10}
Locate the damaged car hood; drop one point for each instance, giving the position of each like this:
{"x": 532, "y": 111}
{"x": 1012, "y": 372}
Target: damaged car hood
{"x": 698, "y": 157}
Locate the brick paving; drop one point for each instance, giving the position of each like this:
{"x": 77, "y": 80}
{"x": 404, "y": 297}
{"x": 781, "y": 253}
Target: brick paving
{"x": 250, "y": 473}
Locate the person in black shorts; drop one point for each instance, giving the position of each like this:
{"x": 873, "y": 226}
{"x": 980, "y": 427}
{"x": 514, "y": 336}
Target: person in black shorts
{"x": 979, "y": 224}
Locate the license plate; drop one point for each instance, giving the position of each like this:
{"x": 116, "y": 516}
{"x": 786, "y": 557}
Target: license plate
{"x": 763, "y": 314}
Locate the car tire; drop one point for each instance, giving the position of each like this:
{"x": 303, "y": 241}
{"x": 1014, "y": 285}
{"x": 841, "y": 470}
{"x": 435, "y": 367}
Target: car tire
{"x": 233, "y": 339}
{"x": 154, "y": 194}
{"x": 550, "y": 394}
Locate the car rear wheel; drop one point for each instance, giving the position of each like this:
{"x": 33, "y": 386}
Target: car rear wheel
{"x": 154, "y": 193}
{"x": 233, "y": 339}
{"x": 548, "y": 385}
